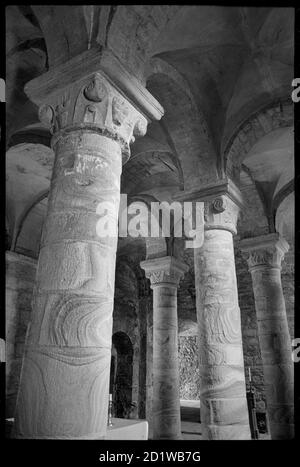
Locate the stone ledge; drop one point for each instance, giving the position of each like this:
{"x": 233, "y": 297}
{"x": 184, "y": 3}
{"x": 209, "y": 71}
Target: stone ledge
{"x": 18, "y": 257}
{"x": 86, "y": 63}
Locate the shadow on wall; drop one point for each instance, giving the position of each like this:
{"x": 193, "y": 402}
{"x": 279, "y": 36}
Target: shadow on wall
{"x": 121, "y": 375}
{"x": 2, "y": 90}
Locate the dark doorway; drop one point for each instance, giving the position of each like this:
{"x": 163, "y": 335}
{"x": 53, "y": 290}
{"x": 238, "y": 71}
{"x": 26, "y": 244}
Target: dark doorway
{"x": 121, "y": 374}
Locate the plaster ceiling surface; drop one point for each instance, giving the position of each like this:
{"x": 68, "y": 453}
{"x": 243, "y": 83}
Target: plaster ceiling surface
{"x": 235, "y": 59}
{"x": 271, "y": 159}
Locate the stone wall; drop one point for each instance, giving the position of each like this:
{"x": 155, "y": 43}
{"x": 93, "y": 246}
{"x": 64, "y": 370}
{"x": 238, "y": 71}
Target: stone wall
{"x": 188, "y": 367}
{"x": 288, "y": 285}
{"x": 20, "y": 277}
{"x": 187, "y": 345}
{"x": 186, "y": 298}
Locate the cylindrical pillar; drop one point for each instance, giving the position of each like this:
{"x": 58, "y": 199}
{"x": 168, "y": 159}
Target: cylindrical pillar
{"x": 65, "y": 374}
{"x": 264, "y": 256}
{"x": 224, "y": 412}
{"x": 164, "y": 274}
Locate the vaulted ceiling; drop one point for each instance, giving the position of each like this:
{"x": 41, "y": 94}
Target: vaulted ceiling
{"x": 212, "y": 69}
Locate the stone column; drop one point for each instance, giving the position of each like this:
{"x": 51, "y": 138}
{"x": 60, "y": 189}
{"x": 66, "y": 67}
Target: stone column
{"x": 264, "y": 255}
{"x": 164, "y": 274}
{"x": 65, "y": 375}
{"x": 224, "y": 412}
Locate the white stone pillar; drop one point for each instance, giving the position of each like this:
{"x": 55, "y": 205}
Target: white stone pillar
{"x": 65, "y": 375}
{"x": 224, "y": 412}
{"x": 164, "y": 274}
{"x": 264, "y": 255}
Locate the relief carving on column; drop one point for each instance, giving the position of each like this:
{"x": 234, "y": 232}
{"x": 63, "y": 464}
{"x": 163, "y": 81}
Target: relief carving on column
{"x": 264, "y": 251}
{"x": 94, "y": 103}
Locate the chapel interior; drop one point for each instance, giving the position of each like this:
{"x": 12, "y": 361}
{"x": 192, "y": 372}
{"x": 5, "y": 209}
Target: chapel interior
{"x": 141, "y": 337}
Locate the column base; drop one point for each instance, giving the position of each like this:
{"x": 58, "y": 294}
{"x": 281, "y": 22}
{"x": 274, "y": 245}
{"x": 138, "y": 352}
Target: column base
{"x": 226, "y": 432}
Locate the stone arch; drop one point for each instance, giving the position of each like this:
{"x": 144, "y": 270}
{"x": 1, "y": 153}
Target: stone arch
{"x": 31, "y": 134}
{"x": 261, "y": 123}
{"x": 185, "y": 128}
{"x": 61, "y": 42}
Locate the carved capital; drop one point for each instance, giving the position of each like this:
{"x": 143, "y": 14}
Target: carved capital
{"x": 93, "y": 103}
{"x": 221, "y": 213}
{"x": 165, "y": 270}
{"x": 266, "y": 251}
{"x": 222, "y": 202}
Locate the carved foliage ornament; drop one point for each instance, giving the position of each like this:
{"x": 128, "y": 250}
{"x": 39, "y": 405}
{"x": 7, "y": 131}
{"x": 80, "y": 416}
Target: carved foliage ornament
{"x": 164, "y": 275}
{"x": 95, "y": 103}
{"x": 270, "y": 257}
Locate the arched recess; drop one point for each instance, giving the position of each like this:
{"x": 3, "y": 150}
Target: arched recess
{"x": 122, "y": 370}
{"x": 31, "y": 134}
{"x": 264, "y": 148}
{"x": 263, "y": 122}
{"x": 185, "y": 129}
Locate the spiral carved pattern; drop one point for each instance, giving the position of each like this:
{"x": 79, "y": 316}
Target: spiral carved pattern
{"x": 275, "y": 344}
{"x": 224, "y": 412}
{"x": 166, "y": 405}
{"x": 164, "y": 274}
{"x": 64, "y": 384}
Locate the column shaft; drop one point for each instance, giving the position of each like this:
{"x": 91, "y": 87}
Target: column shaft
{"x": 265, "y": 255}
{"x": 275, "y": 346}
{"x": 223, "y": 402}
{"x": 164, "y": 274}
{"x": 224, "y": 412}
{"x": 65, "y": 374}
{"x": 69, "y": 340}
{"x": 166, "y": 403}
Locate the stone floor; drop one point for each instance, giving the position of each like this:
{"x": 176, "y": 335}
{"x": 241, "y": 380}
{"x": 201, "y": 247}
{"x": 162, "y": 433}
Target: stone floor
{"x": 190, "y": 421}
